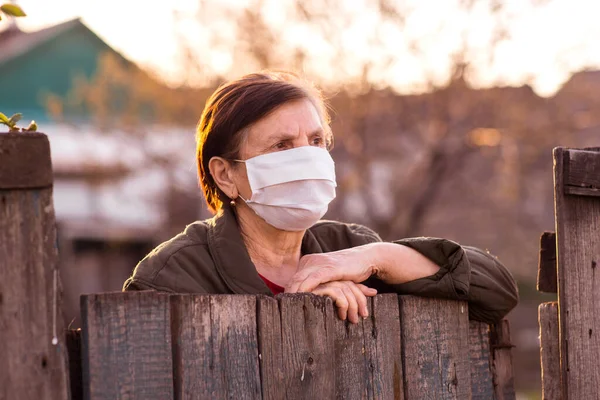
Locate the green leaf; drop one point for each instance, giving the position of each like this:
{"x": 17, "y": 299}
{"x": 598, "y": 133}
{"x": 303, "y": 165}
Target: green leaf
{"x": 14, "y": 119}
{"x": 3, "y": 118}
{"x": 13, "y": 10}
{"x": 32, "y": 127}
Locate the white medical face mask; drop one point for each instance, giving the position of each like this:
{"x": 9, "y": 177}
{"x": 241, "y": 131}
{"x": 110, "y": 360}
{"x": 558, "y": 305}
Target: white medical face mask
{"x": 291, "y": 189}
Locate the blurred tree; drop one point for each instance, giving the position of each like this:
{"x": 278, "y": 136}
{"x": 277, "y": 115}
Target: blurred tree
{"x": 399, "y": 157}
{"x": 427, "y": 137}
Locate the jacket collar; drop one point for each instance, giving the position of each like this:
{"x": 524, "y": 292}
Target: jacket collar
{"x": 231, "y": 258}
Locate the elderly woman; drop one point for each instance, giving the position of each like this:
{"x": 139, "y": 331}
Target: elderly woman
{"x": 266, "y": 174}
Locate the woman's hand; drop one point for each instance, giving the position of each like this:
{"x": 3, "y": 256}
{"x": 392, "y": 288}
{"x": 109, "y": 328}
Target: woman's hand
{"x": 349, "y": 297}
{"x": 354, "y": 264}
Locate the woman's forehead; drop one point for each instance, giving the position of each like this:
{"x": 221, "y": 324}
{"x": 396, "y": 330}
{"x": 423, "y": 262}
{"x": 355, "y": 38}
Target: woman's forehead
{"x": 297, "y": 118}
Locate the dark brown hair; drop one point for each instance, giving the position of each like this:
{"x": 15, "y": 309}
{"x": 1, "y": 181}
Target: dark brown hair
{"x": 235, "y": 106}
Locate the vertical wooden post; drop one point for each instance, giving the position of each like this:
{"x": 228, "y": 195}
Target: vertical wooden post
{"x": 549, "y": 352}
{"x": 215, "y": 347}
{"x": 126, "y": 351}
{"x": 73, "y": 339}
{"x": 31, "y": 366}
{"x": 296, "y": 347}
{"x": 368, "y": 356}
{"x": 546, "y": 280}
{"x": 482, "y": 382}
{"x": 435, "y": 348}
{"x": 577, "y": 209}
{"x": 504, "y": 384}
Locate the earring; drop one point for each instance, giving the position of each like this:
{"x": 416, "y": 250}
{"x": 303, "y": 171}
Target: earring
{"x": 232, "y": 202}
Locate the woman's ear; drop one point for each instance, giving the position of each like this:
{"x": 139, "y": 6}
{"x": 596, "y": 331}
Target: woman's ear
{"x": 221, "y": 171}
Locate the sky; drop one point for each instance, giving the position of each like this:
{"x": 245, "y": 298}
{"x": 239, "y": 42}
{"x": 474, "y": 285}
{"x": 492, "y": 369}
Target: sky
{"x": 547, "y": 42}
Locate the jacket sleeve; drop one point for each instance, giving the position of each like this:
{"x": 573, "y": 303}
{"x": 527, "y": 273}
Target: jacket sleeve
{"x": 168, "y": 272}
{"x": 466, "y": 273}
{"x": 134, "y": 284}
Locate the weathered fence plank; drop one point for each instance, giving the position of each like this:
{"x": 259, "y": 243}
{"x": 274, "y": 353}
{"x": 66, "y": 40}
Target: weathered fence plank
{"x": 546, "y": 279}
{"x": 25, "y": 161}
{"x": 385, "y": 350}
{"x": 31, "y": 367}
{"x": 127, "y": 346}
{"x": 73, "y": 341}
{"x": 482, "y": 384}
{"x": 301, "y": 347}
{"x": 578, "y": 233}
{"x": 549, "y": 351}
{"x": 215, "y": 347}
{"x": 368, "y": 355}
{"x": 270, "y": 345}
{"x": 435, "y": 347}
{"x": 502, "y": 368}
{"x": 582, "y": 172}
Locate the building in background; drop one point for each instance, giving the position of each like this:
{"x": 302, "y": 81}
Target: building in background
{"x": 112, "y": 205}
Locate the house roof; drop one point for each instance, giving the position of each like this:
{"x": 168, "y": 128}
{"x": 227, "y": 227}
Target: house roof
{"x": 15, "y": 42}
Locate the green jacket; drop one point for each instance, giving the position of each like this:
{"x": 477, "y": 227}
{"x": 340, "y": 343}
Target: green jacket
{"x": 210, "y": 257}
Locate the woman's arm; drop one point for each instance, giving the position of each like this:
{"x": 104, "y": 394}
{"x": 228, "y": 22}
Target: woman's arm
{"x": 421, "y": 266}
{"x": 394, "y": 264}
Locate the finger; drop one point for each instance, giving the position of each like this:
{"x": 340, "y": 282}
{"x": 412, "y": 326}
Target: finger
{"x": 338, "y": 297}
{"x": 341, "y": 302}
{"x": 367, "y": 291}
{"x": 361, "y": 300}
{"x": 352, "y": 303}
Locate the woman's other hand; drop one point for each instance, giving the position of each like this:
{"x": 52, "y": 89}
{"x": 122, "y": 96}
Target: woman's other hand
{"x": 350, "y": 298}
{"x": 354, "y": 264}
{"x": 392, "y": 263}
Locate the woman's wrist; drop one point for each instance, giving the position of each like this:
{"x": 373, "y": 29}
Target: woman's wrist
{"x": 394, "y": 263}
{"x": 378, "y": 255}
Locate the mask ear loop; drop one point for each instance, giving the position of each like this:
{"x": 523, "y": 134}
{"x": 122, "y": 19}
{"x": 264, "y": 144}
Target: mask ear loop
{"x": 232, "y": 202}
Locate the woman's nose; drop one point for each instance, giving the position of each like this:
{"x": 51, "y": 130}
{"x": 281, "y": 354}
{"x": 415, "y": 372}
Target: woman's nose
{"x": 301, "y": 142}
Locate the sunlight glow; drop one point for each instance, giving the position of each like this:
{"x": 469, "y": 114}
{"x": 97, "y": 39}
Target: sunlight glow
{"x": 546, "y": 44}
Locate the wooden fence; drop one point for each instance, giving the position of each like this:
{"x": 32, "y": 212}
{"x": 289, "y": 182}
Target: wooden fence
{"x": 148, "y": 345}
{"x": 157, "y": 346}
{"x": 31, "y": 366}
{"x": 569, "y": 259}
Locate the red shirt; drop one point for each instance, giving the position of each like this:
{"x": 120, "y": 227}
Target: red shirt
{"x": 275, "y": 288}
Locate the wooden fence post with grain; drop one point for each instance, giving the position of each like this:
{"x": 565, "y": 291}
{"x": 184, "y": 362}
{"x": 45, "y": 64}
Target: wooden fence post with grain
{"x": 577, "y": 205}
{"x": 569, "y": 329}
{"x": 31, "y": 365}
{"x": 147, "y": 345}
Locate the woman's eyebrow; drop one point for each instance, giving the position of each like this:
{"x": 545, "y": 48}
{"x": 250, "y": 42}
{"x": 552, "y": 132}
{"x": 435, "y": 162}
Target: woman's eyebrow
{"x": 283, "y": 136}
{"x": 291, "y": 136}
{"x": 317, "y": 132}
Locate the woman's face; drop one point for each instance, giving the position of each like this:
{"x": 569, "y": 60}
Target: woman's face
{"x": 293, "y": 124}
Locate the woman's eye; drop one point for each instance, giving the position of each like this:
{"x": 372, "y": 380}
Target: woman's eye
{"x": 318, "y": 141}
{"x": 281, "y": 145}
